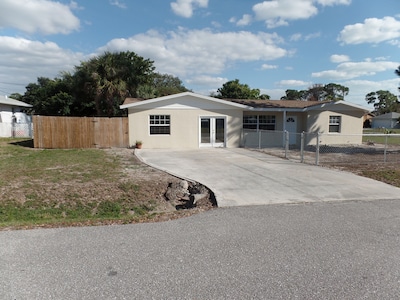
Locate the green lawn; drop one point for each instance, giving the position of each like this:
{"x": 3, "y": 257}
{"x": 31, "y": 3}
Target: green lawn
{"x": 382, "y": 136}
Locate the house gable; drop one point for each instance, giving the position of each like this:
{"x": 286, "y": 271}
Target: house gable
{"x": 183, "y": 101}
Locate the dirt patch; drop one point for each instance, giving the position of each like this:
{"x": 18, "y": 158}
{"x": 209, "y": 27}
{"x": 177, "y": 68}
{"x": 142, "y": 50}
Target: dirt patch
{"x": 154, "y": 185}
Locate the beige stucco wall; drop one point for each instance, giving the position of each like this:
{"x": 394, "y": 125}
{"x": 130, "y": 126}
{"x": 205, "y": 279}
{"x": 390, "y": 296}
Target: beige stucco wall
{"x": 185, "y": 127}
{"x": 350, "y": 128}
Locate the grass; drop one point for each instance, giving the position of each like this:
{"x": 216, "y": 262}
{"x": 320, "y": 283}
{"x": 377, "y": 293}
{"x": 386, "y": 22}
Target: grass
{"x": 390, "y": 176}
{"x": 50, "y": 187}
{"x": 381, "y": 138}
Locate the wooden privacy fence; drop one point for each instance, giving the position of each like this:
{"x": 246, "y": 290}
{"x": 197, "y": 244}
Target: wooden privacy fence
{"x": 77, "y": 132}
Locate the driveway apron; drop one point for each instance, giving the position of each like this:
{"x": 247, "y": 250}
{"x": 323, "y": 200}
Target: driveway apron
{"x": 240, "y": 177}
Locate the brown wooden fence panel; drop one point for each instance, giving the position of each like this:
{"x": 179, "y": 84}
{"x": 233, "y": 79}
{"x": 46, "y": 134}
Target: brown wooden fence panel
{"x": 74, "y": 132}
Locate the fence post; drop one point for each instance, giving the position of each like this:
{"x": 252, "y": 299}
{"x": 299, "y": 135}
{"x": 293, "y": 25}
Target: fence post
{"x": 302, "y": 147}
{"x": 286, "y": 133}
{"x": 384, "y": 153}
{"x": 317, "y": 150}
{"x": 259, "y": 139}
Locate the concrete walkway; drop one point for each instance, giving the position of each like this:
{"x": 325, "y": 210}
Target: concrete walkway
{"x": 241, "y": 177}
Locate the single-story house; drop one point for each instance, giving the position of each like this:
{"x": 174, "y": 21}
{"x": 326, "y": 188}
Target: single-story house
{"x": 189, "y": 120}
{"x": 389, "y": 121}
{"x": 11, "y": 110}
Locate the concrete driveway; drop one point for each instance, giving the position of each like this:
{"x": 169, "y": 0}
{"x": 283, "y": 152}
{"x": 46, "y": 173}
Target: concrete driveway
{"x": 240, "y": 177}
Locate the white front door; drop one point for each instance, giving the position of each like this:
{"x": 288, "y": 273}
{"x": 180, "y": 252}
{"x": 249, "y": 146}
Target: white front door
{"x": 212, "y": 132}
{"x": 291, "y": 127}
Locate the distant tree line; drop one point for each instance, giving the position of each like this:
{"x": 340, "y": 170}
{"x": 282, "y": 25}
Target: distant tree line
{"x": 98, "y": 87}
{"x": 318, "y": 92}
{"x": 233, "y": 89}
{"x": 384, "y": 101}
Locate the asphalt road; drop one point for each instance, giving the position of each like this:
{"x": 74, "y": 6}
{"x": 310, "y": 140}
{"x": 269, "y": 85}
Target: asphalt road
{"x": 337, "y": 250}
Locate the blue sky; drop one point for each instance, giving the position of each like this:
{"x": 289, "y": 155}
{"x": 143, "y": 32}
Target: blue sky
{"x": 272, "y": 45}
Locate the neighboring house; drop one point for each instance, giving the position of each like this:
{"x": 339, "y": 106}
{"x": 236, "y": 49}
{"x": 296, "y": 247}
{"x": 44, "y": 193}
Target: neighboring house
{"x": 11, "y": 111}
{"x": 189, "y": 120}
{"x": 389, "y": 121}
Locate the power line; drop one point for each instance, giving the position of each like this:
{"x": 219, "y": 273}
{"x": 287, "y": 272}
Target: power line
{"x": 22, "y": 84}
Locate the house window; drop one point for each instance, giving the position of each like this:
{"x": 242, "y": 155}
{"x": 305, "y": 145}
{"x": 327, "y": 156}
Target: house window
{"x": 266, "y": 122}
{"x": 334, "y": 123}
{"x": 250, "y": 122}
{"x": 261, "y": 122}
{"x": 160, "y": 124}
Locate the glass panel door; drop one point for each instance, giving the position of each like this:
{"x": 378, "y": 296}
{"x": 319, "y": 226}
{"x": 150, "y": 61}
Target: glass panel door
{"x": 212, "y": 132}
{"x": 205, "y": 130}
{"x": 220, "y": 131}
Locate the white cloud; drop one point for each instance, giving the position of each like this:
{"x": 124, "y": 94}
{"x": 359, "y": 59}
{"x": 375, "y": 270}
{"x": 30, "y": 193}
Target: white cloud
{"x": 293, "y": 82}
{"x": 245, "y": 20}
{"x": 373, "y": 30}
{"x": 334, "y": 2}
{"x": 43, "y": 16}
{"x": 394, "y": 42}
{"x": 268, "y": 67}
{"x": 296, "y": 37}
{"x": 75, "y": 6}
{"x": 209, "y": 81}
{"x": 312, "y": 36}
{"x": 118, "y": 3}
{"x": 350, "y": 70}
{"x": 185, "y": 8}
{"x": 277, "y": 13}
{"x": 23, "y": 60}
{"x": 360, "y": 88}
{"x": 338, "y": 58}
{"x": 191, "y": 52}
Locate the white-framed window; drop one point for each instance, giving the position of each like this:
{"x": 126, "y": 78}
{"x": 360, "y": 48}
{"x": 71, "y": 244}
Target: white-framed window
{"x": 334, "y": 123}
{"x": 260, "y": 122}
{"x": 250, "y": 122}
{"x": 160, "y": 124}
{"x": 266, "y": 122}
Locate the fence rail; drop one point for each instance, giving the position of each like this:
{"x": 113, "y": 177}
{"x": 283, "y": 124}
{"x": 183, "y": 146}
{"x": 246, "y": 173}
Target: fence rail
{"x": 323, "y": 148}
{"x": 75, "y": 132}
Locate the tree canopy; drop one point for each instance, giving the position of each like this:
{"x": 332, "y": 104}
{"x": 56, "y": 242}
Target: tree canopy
{"x": 383, "y": 101}
{"x": 233, "y": 89}
{"x": 318, "y": 92}
{"x": 98, "y": 87}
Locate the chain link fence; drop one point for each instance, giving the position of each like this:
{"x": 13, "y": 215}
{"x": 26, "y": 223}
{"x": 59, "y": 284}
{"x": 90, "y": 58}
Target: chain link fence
{"x": 16, "y": 130}
{"x": 325, "y": 149}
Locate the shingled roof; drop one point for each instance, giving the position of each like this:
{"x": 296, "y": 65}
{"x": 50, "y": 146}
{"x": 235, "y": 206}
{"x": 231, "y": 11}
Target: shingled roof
{"x": 277, "y": 103}
{"x": 256, "y": 103}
